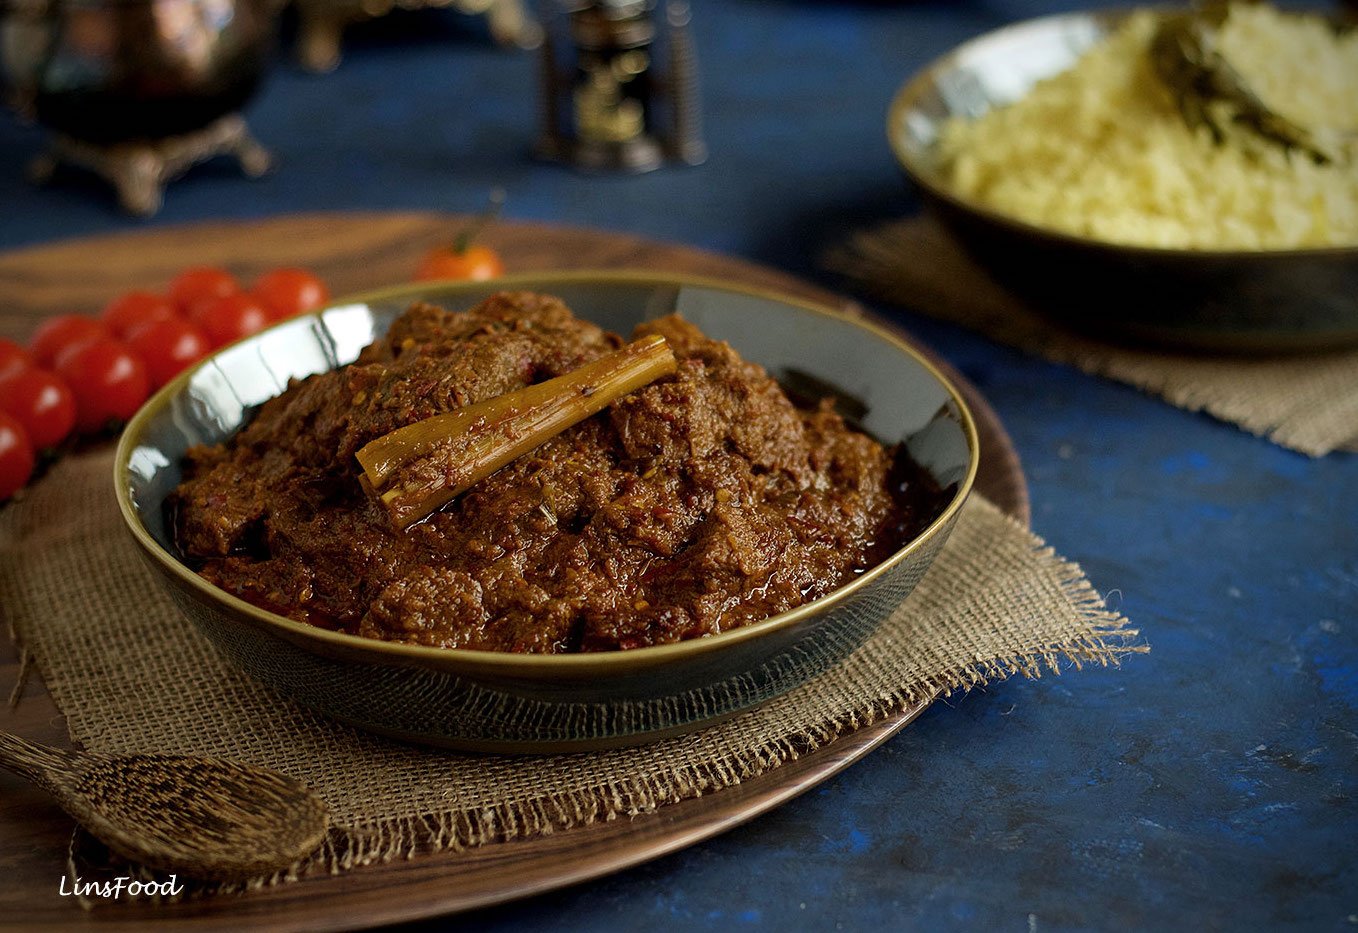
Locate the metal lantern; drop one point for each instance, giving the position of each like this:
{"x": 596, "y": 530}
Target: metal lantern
{"x": 619, "y": 88}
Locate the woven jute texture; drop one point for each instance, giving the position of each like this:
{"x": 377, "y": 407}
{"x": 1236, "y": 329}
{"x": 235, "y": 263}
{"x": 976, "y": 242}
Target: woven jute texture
{"x": 1306, "y": 402}
{"x": 131, "y": 675}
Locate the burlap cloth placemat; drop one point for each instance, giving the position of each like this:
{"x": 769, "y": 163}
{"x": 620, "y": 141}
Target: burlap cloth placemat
{"x": 1306, "y": 402}
{"x": 131, "y": 675}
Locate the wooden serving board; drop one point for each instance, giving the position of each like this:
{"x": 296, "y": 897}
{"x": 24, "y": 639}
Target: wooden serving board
{"x": 354, "y": 252}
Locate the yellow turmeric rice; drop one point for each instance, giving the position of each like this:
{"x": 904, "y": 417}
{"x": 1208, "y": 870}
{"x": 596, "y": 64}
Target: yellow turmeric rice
{"x": 1102, "y": 151}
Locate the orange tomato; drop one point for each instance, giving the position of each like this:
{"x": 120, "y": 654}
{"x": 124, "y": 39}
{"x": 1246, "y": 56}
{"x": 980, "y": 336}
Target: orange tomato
{"x": 476, "y": 263}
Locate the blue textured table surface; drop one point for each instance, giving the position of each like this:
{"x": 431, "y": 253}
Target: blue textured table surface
{"x": 1212, "y": 783}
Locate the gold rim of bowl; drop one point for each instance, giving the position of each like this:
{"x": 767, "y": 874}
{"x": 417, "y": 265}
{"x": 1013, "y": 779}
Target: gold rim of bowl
{"x": 495, "y": 662}
{"x": 924, "y": 172}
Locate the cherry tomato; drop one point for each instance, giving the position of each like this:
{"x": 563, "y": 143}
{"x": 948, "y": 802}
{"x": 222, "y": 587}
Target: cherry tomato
{"x": 167, "y": 347}
{"x": 233, "y": 317}
{"x": 58, "y": 334}
{"x": 135, "y": 310}
{"x": 194, "y": 289}
{"x": 16, "y": 456}
{"x": 109, "y": 383}
{"x": 290, "y": 292}
{"x": 41, "y": 403}
{"x": 476, "y": 263}
{"x": 13, "y": 358}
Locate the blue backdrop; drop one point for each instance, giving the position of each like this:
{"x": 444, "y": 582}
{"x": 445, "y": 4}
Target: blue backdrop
{"x": 1210, "y": 783}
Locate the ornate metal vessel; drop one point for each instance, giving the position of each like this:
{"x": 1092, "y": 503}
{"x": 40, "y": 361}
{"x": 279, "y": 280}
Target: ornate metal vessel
{"x": 322, "y": 24}
{"x": 138, "y": 90}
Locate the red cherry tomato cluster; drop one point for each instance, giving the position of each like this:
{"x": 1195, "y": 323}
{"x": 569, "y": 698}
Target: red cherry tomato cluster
{"x": 84, "y": 374}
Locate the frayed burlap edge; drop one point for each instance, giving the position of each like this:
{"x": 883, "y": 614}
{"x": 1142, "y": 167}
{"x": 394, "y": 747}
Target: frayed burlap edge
{"x": 1106, "y": 640}
{"x": 961, "y": 630}
{"x": 1307, "y": 403}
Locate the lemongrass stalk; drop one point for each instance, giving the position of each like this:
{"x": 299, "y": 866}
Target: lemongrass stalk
{"x": 419, "y": 468}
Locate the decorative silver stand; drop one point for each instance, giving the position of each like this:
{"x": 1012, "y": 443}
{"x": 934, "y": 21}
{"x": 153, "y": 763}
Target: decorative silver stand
{"x": 323, "y": 21}
{"x": 141, "y": 169}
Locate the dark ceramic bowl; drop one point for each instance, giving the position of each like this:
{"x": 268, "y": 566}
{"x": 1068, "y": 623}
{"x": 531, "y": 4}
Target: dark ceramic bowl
{"x": 490, "y": 701}
{"x": 1251, "y": 301}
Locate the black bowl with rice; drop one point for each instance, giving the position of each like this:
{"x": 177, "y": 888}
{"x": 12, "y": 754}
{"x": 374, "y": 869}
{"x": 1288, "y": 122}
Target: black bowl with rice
{"x": 1055, "y": 156}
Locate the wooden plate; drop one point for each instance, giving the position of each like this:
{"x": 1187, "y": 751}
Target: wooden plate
{"x": 354, "y": 252}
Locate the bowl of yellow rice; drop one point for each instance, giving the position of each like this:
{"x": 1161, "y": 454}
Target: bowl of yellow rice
{"x": 1058, "y": 156}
